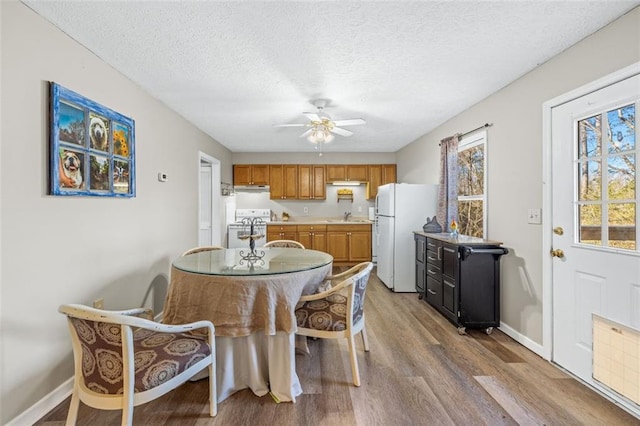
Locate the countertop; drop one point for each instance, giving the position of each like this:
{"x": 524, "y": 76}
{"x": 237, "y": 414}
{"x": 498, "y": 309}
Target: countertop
{"x": 321, "y": 221}
{"x": 460, "y": 239}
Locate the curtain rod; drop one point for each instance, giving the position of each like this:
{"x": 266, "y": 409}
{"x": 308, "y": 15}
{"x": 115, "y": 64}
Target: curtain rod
{"x": 485, "y": 125}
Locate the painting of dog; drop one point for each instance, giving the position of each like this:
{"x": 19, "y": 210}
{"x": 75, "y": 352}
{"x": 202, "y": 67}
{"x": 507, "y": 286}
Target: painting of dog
{"x": 70, "y": 169}
{"x": 98, "y": 131}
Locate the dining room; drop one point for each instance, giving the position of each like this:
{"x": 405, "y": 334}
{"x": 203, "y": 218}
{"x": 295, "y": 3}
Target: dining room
{"x": 99, "y": 246}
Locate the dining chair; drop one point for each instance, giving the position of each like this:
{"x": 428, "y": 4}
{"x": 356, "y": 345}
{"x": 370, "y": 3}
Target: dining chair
{"x": 123, "y": 359}
{"x": 201, "y": 248}
{"x": 285, "y": 244}
{"x": 338, "y": 312}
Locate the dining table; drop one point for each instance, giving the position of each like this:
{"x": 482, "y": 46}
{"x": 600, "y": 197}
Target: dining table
{"x": 250, "y": 296}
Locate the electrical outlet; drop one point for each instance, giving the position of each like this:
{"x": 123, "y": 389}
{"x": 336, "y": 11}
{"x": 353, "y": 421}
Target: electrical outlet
{"x": 359, "y": 209}
{"x": 305, "y": 209}
{"x": 534, "y": 216}
{"x": 98, "y": 303}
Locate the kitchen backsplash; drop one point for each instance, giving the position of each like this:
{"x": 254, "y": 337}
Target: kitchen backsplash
{"x": 324, "y": 208}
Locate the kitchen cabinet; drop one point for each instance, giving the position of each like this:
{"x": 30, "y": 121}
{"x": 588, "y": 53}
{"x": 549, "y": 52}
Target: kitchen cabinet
{"x": 282, "y": 232}
{"x": 349, "y": 244}
{"x": 421, "y": 256}
{"x": 311, "y": 182}
{"x": 251, "y": 174}
{"x": 461, "y": 278}
{"x": 283, "y": 181}
{"x": 378, "y": 175}
{"x": 313, "y": 236}
{"x": 346, "y": 173}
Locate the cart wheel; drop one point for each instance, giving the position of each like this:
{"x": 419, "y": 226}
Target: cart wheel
{"x": 489, "y": 330}
{"x": 462, "y": 331}
{"x": 420, "y": 296}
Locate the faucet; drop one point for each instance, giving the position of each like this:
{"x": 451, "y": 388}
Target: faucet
{"x": 346, "y": 216}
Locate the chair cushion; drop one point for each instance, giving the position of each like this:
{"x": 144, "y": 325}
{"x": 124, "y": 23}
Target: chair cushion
{"x": 329, "y": 314}
{"x": 158, "y": 356}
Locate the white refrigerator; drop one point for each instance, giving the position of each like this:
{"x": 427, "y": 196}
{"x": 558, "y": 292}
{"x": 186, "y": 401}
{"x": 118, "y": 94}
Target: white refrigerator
{"x": 401, "y": 208}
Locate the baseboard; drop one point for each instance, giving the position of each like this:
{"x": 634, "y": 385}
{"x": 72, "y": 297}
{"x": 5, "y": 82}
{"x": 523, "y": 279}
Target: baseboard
{"x": 42, "y": 407}
{"x": 523, "y": 340}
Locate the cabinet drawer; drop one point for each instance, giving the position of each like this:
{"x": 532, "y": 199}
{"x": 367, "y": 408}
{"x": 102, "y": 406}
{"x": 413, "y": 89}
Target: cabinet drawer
{"x": 433, "y": 258}
{"x": 312, "y": 228}
{"x": 433, "y": 272}
{"x": 434, "y": 292}
{"x": 282, "y": 228}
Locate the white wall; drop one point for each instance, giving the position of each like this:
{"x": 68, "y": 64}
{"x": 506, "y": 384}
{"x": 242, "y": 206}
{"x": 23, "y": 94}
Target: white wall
{"x": 57, "y": 250}
{"x": 515, "y": 158}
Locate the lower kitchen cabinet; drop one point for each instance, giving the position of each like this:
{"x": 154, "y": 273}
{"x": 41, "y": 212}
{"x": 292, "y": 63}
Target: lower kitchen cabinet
{"x": 349, "y": 244}
{"x": 461, "y": 278}
{"x": 313, "y": 236}
{"x": 282, "y": 232}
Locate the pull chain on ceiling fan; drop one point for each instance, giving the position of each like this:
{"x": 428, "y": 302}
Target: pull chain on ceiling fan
{"x": 321, "y": 127}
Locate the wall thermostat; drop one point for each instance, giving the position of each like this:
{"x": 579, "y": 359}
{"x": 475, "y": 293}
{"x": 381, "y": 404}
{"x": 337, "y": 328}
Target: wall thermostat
{"x": 162, "y": 177}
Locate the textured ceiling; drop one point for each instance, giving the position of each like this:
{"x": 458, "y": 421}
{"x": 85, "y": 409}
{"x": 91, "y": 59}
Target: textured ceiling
{"x": 234, "y": 69}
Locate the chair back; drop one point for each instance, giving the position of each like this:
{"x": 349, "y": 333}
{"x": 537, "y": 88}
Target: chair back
{"x": 285, "y": 244}
{"x": 359, "y": 288}
{"x": 201, "y": 249}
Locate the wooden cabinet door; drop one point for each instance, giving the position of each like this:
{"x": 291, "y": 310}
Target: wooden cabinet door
{"x": 260, "y": 174}
{"x": 305, "y": 189}
{"x": 336, "y": 173}
{"x": 319, "y": 184}
{"x": 357, "y": 172}
{"x": 338, "y": 245}
{"x": 281, "y": 232}
{"x": 290, "y": 181}
{"x": 360, "y": 246}
{"x": 241, "y": 174}
{"x": 389, "y": 174}
{"x": 319, "y": 241}
{"x": 305, "y": 239}
{"x": 276, "y": 182}
{"x": 374, "y": 181}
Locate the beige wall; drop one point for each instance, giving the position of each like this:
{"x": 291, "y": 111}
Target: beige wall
{"x": 515, "y": 158}
{"x": 59, "y": 250}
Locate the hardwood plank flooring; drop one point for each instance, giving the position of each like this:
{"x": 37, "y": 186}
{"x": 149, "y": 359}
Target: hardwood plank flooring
{"x": 419, "y": 371}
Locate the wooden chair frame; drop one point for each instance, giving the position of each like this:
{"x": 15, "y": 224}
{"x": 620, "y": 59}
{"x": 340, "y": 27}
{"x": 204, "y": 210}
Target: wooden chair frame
{"x": 201, "y": 248}
{"x": 129, "y": 399}
{"x": 285, "y": 243}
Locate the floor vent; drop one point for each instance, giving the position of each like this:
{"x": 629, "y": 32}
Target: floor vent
{"x": 616, "y": 357}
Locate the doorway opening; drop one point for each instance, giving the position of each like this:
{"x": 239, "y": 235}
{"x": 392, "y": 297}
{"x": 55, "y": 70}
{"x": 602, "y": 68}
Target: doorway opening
{"x": 209, "y": 222}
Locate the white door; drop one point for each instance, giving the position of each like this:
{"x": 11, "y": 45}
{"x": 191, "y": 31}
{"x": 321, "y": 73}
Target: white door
{"x": 385, "y": 254}
{"x": 205, "y": 206}
{"x": 594, "y": 146}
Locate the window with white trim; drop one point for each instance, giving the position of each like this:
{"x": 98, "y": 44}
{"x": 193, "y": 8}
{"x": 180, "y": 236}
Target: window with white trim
{"x": 472, "y": 180}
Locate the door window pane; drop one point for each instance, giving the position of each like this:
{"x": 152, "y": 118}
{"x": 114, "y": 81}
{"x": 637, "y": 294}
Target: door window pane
{"x": 471, "y": 171}
{"x": 590, "y": 224}
{"x": 622, "y": 177}
{"x": 589, "y": 180}
{"x": 621, "y": 133}
{"x": 589, "y": 136}
{"x": 622, "y": 225}
{"x": 470, "y": 217}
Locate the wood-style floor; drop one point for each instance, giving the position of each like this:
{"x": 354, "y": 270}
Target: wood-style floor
{"x": 419, "y": 371}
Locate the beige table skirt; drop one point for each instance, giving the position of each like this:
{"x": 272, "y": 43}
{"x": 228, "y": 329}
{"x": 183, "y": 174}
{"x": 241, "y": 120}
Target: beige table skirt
{"x": 255, "y": 323}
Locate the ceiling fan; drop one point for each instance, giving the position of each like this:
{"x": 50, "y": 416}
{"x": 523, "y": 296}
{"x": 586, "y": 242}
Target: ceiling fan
{"x": 321, "y": 126}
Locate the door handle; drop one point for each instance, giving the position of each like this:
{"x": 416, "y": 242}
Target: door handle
{"x": 558, "y": 230}
{"x": 557, "y": 253}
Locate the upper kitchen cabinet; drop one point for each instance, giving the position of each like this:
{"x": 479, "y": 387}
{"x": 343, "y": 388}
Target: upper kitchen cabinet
{"x": 311, "y": 182}
{"x": 347, "y": 173}
{"x": 379, "y": 174}
{"x": 251, "y": 174}
{"x": 283, "y": 181}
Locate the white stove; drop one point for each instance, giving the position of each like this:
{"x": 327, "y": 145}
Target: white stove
{"x": 238, "y": 231}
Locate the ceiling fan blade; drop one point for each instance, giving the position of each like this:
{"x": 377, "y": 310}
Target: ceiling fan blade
{"x": 341, "y": 132}
{"x": 313, "y": 116}
{"x": 307, "y": 133}
{"x": 349, "y": 122}
{"x": 290, "y": 125}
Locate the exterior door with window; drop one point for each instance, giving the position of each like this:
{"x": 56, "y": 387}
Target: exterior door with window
{"x": 596, "y": 261}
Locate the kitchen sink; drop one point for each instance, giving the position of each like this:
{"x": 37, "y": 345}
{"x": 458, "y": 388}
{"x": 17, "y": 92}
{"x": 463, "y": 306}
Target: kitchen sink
{"x": 348, "y": 221}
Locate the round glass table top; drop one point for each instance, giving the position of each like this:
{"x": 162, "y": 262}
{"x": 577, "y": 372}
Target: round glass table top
{"x": 262, "y": 261}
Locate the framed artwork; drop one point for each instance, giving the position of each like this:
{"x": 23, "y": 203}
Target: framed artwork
{"x": 92, "y": 147}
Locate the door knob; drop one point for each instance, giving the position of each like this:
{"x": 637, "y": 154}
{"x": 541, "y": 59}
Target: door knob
{"x": 557, "y": 253}
{"x": 558, "y": 230}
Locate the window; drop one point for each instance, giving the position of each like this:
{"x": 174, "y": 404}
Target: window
{"x": 606, "y": 183}
{"x": 472, "y": 178}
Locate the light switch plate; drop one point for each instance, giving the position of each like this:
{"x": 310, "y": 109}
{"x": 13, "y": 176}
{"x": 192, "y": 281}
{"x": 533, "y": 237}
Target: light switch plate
{"x": 534, "y": 216}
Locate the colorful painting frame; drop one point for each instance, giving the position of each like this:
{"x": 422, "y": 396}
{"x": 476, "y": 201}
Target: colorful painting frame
{"x": 92, "y": 148}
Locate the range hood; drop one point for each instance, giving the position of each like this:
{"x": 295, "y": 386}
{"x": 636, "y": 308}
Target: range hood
{"x": 251, "y": 188}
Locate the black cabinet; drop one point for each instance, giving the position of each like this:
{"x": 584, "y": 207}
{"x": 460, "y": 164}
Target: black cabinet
{"x": 421, "y": 257}
{"x": 462, "y": 277}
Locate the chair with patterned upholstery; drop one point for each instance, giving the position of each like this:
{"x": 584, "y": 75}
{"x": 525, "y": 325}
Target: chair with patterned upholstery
{"x": 122, "y": 359}
{"x": 285, "y": 244}
{"x": 338, "y": 312}
{"x": 201, "y": 248}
